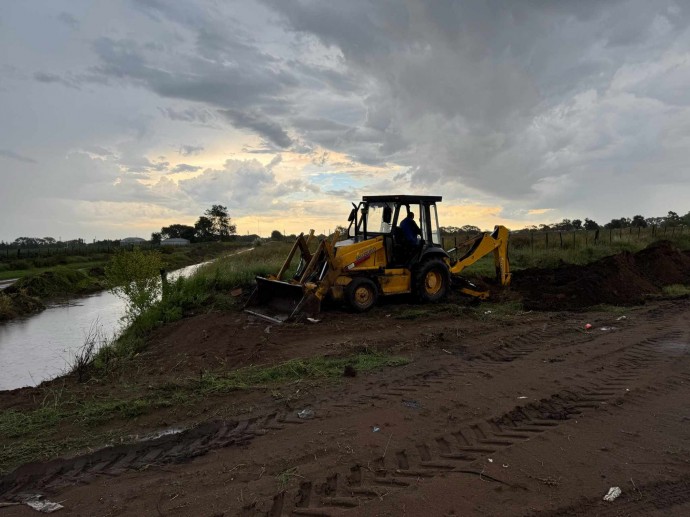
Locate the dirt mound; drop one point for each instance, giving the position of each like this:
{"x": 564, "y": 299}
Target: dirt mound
{"x": 623, "y": 279}
{"x": 14, "y": 304}
{"x": 664, "y": 264}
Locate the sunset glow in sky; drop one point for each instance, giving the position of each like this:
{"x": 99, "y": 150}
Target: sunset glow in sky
{"x": 121, "y": 117}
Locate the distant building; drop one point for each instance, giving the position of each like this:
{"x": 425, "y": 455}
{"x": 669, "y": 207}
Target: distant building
{"x": 175, "y": 241}
{"x": 129, "y": 241}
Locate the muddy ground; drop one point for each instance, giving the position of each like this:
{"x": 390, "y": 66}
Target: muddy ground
{"x": 498, "y": 412}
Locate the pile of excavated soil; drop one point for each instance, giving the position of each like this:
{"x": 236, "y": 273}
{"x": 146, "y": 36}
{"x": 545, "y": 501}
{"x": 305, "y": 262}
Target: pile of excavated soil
{"x": 623, "y": 279}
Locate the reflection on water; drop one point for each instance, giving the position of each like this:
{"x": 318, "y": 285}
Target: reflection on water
{"x": 40, "y": 347}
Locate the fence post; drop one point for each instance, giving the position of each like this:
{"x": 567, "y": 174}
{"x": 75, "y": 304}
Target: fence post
{"x": 560, "y": 236}
{"x": 547, "y": 239}
{"x": 610, "y": 236}
{"x": 531, "y": 235}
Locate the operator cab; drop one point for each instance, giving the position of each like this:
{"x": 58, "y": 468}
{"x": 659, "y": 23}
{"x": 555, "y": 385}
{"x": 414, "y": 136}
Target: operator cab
{"x": 381, "y": 216}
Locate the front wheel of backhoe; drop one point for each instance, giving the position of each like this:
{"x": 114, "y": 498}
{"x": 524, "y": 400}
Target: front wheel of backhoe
{"x": 432, "y": 281}
{"x": 361, "y": 294}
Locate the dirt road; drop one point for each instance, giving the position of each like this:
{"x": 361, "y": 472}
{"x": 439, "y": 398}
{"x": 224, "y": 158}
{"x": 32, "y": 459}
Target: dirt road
{"x": 527, "y": 415}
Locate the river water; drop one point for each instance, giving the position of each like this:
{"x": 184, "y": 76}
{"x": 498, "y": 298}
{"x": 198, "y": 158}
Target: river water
{"x": 42, "y": 346}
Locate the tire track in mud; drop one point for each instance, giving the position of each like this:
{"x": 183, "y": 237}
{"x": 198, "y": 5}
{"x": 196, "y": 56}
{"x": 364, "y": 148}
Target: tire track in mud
{"x": 112, "y": 461}
{"x": 484, "y": 364}
{"x": 464, "y": 448}
{"x": 638, "y": 500}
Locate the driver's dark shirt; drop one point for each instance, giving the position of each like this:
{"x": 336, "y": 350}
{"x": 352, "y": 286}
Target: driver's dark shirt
{"x": 410, "y": 230}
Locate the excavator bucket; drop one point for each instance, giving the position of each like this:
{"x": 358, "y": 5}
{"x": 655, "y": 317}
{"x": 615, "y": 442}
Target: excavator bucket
{"x": 277, "y": 300}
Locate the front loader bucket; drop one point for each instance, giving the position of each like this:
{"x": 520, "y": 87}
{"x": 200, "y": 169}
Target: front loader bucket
{"x": 279, "y": 301}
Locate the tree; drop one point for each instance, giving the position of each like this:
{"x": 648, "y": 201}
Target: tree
{"x": 178, "y": 231}
{"x": 590, "y": 224}
{"x": 638, "y": 221}
{"x": 577, "y": 224}
{"x": 222, "y": 227}
{"x": 564, "y": 225}
{"x": 156, "y": 237}
{"x": 469, "y": 228}
{"x": 672, "y": 219}
{"x": 276, "y": 235}
{"x": 203, "y": 229}
{"x": 623, "y": 222}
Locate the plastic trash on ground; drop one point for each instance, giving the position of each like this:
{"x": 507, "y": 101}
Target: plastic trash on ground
{"x": 588, "y": 326}
{"x": 40, "y": 504}
{"x": 613, "y": 494}
{"x": 305, "y": 414}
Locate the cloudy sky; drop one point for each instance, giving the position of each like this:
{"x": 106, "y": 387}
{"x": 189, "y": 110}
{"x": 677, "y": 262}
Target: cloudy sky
{"x": 119, "y": 117}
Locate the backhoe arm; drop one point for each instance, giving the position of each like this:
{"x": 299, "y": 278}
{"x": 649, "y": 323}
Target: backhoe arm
{"x": 496, "y": 242}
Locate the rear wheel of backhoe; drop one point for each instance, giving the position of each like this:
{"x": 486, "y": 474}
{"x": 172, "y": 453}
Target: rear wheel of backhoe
{"x": 432, "y": 281}
{"x": 361, "y": 294}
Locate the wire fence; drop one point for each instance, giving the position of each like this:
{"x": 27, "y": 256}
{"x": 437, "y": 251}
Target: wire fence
{"x": 536, "y": 240}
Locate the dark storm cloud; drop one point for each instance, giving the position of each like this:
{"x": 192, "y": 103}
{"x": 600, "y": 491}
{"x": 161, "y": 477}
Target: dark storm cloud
{"x": 68, "y": 20}
{"x": 183, "y": 167}
{"x": 260, "y": 124}
{"x": 190, "y": 150}
{"x": 195, "y": 79}
{"x": 202, "y": 116}
{"x": 48, "y": 78}
{"x": 506, "y": 96}
{"x": 16, "y": 156}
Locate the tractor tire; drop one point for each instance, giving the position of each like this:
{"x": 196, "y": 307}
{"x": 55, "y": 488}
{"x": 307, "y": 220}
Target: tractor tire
{"x": 432, "y": 281}
{"x": 361, "y": 294}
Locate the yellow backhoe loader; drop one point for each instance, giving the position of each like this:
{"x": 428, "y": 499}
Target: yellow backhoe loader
{"x": 378, "y": 258}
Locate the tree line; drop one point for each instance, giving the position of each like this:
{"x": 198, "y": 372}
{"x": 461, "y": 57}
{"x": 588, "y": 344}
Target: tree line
{"x": 214, "y": 225}
{"x": 671, "y": 219}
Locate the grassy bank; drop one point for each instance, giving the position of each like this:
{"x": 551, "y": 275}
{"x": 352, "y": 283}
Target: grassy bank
{"x": 76, "y": 275}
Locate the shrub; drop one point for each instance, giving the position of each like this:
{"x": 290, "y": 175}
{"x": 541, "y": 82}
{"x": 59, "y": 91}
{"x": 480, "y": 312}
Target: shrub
{"x": 134, "y": 277}
{"x": 6, "y": 309}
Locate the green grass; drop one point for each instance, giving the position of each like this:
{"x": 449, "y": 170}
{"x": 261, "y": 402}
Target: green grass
{"x": 21, "y": 273}
{"x": 60, "y": 281}
{"x": 241, "y": 269}
{"x": 312, "y": 368}
{"x": 676, "y": 290}
{"x": 285, "y": 476}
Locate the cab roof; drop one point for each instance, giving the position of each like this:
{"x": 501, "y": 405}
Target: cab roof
{"x": 403, "y": 198}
